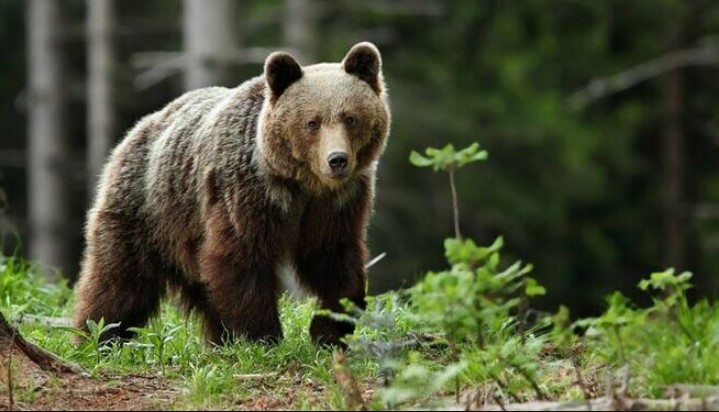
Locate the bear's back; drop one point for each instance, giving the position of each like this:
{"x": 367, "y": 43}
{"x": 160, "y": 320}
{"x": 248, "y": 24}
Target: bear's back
{"x": 156, "y": 175}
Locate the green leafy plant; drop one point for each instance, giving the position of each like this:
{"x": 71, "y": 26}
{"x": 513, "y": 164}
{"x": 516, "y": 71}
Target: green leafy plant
{"x": 475, "y": 309}
{"x": 668, "y": 342}
{"x": 156, "y": 340}
{"x": 475, "y": 295}
{"x": 93, "y": 337}
{"x": 611, "y": 324}
{"x": 449, "y": 160}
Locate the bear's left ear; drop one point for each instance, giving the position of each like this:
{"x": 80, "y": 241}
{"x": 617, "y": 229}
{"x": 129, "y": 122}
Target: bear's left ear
{"x": 364, "y": 61}
{"x": 281, "y": 70}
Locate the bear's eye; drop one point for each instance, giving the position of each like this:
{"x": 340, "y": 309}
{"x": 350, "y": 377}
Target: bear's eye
{"x": 313, "y": 124}
{"x": 350, "y": 120}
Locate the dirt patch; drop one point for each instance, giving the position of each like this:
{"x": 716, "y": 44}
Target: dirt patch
{"x": 32, "y": 378}
{"x": 74, "y": 392}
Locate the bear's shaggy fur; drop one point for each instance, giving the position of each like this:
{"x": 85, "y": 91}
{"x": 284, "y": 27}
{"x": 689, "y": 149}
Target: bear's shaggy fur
{"x": 216, "y": 193}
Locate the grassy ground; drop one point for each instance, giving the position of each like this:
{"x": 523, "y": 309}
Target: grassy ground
{"x": 169, "y": 352}
{"x": 402, "y": 356}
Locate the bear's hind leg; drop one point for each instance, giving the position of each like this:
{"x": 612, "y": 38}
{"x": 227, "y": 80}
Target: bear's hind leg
{"x": 116, "y": 284}
{"x": 194, "y": 299}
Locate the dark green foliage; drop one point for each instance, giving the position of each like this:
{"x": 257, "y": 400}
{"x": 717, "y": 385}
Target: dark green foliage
{"x": 576, "y": 192}
{"x": 474, "y": 317}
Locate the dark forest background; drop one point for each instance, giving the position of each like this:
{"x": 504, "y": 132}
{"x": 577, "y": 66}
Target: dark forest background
{"x": 601, "y": 119}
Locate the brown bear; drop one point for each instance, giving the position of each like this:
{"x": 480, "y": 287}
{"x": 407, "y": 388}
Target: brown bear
{"x": 216, "y": 193}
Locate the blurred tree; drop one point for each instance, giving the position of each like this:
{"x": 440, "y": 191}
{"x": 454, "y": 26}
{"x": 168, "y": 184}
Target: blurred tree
{"x": 211, "y": 34}
{"x": 49, "y": 157}
{"x": 673, "y": 156}
{"x": 588, "y": 171}
{"x": 101, "y": 112}
{"x": 300, "y": 28}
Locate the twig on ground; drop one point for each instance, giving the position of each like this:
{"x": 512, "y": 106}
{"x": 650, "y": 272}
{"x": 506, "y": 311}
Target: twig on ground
{"x": 498, "y": 399}
{"x": 375, "y": 260}
{"x": 504, "y": 387}
{"x": 540, "y": 393}
{"x": 254, "y": 376}
{"x": 48, "y": 321}
{"x": 344, "y": 377}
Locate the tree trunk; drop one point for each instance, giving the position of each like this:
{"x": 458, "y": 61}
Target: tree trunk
{"x": 100, "y": 88}
{"x": 673, "y": 162}
{"x": 48, "y": 148}
{"x": 210, "y": 31}
{"x": 300, "y": 29}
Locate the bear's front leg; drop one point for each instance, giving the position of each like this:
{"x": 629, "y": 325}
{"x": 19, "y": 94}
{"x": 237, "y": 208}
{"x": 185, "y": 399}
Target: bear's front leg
{"x": 334, "y": 272}
{"x": 244, "y": 296}
{"x": 330, "y": 260}
{"x": 332, "y": 275}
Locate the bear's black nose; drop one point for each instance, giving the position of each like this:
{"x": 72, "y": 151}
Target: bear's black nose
{"x": 338, "y": 162}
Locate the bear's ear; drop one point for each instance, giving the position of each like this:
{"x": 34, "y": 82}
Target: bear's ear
{"x": 281, "y": 70}
{"x": 364, "y": 61}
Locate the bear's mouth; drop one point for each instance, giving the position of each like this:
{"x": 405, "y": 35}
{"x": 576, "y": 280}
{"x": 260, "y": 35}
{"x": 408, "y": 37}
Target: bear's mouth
{"x": 334, "y": 181}
{"x": 340, "y": 175}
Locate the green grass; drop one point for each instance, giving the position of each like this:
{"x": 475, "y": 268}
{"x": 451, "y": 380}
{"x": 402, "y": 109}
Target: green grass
{"x": 171, "y": 346}
{"x": 408, "y": 356}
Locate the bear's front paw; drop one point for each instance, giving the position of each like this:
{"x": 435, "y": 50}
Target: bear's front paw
{"x": 325, "y": 331}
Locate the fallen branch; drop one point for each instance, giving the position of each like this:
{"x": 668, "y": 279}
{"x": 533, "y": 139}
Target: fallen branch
{"x": 697, "y": 391}
{"x": 540, "y": 393}
{"x": 605, "y": 404}
{"x": 11, "y": 339}
{"x": 254, "y": 376}
{"x": 602, "y": 404}
{"x": 48, "y": 321}
{"x": 503, "y": 386}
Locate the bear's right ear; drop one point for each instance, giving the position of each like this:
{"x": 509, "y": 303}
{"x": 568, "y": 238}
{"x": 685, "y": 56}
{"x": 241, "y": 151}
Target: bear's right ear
{"x": 281, "y": 70}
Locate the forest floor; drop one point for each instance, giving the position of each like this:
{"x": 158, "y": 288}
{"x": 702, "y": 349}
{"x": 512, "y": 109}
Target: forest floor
{"x": 149, "y": 392}
{"x": 112, "y": 393}
{"x": 140, "y": 386}
{"x": 402, "y": 356}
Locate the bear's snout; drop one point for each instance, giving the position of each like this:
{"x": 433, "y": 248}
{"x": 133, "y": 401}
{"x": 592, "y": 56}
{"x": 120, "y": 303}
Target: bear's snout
{"x": 338, "y": 163}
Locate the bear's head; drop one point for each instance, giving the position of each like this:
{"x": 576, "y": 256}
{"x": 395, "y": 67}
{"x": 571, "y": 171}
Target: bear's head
{"x": 322, "y": 126}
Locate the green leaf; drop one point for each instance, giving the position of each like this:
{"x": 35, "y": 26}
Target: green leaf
{"x": 73, "y": 330}
{"x": 447, "y": 158}
{"x": 533, "y": 288}
{"x": 467, "y": 252}
{"x": 419, "y": 160}
{"x": 470, "y": 154}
